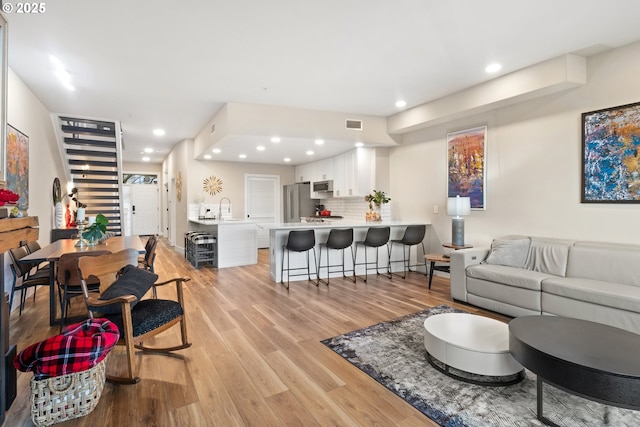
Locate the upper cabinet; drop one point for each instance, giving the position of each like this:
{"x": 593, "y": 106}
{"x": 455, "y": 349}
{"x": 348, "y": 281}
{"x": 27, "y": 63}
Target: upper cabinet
{"x": 354, "y": 173}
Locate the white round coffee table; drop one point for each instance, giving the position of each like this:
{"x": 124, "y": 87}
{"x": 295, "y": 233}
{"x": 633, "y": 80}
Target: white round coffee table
{"x": 471, "y": 344}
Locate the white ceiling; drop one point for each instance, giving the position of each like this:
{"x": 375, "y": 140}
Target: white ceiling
{"x": 174, "y": 64}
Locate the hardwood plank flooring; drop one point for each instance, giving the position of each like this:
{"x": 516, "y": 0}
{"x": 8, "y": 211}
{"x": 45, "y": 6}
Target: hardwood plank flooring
{"x": 256, "y": 358}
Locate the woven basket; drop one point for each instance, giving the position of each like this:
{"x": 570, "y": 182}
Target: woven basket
{"x": 62, "y": 398}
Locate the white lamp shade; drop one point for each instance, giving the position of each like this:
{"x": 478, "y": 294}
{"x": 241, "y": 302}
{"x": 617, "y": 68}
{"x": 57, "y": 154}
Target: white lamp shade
{"x": 458, "y": 206}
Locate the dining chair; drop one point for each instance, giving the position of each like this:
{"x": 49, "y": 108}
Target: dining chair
{"x": 146, "y": 261}
{"x": 69, "y": 282}
{"x": 25, "y": 274}
{"x": 122, "y": 286}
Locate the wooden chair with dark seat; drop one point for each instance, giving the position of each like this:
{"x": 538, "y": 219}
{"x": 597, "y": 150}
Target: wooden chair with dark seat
{"x": 26, "y": 274}
{"x": 69, "y": 282}
{"x": 146, "y": 261}
{"x": 121, "y": 302}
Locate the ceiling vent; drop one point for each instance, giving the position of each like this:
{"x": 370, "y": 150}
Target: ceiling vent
{"x": 354, "y": 124}
{"x": 213, "y": 128}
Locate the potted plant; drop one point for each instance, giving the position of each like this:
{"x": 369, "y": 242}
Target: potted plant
{"x": 96, "y": 230}
{"x": 375, "y": 199}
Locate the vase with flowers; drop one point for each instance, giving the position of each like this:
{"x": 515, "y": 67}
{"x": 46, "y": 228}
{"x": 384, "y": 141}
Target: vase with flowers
{"x": 8, "y": 197}
{"x": 375, "y": 199}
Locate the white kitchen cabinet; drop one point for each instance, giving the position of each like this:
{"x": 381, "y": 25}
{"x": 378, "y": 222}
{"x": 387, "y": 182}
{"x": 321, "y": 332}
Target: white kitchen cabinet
{"x": 354, "y": 173}
{"x": 304, "y": 172}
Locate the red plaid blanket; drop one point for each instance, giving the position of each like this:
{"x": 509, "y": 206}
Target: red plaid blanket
{"x": 81, "y": 346}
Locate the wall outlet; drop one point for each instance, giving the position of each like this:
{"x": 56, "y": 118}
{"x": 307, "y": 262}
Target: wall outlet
{"x": 435, "y": 209}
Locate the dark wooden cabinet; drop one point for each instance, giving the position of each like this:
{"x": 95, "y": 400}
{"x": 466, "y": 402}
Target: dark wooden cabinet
{"x": 63, "y": 233}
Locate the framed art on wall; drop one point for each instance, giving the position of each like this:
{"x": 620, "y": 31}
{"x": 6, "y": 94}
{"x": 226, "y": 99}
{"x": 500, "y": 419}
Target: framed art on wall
{"x": 610, "y": 155}
{"x": 466, "y": 156}
{"x": 17, "y": 167}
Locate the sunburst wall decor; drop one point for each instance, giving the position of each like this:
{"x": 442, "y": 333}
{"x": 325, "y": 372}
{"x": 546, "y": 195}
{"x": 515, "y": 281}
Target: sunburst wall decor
{"x": 212, "y": 185}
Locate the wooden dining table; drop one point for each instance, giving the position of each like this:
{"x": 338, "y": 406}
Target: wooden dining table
{"x": 52, "y": 253}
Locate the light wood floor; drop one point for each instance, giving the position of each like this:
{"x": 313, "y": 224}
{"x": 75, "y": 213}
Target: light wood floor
{"x": 256, "y": 358}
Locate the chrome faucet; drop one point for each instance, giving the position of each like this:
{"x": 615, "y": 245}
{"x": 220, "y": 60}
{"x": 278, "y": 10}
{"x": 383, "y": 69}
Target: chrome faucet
{"x": 220, "y": 207}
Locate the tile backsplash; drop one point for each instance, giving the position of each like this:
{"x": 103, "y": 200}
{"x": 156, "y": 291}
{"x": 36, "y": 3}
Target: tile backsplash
{"x": 353, "y": 208}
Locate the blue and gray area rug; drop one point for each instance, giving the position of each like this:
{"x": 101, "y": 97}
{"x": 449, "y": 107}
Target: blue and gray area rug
{"x": 393, "y": 354}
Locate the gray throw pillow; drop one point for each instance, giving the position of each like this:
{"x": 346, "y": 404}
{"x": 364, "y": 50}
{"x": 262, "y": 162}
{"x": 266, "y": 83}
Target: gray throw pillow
{"x": 132, "y": 281}
{"x": 509, "y": 252}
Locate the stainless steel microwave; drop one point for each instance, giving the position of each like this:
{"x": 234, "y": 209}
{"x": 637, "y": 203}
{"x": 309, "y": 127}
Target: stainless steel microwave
{"x": 323, "y": 186}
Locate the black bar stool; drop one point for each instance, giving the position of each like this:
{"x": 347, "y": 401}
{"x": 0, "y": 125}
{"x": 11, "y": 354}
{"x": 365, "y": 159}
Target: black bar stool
{"x": 339, "y": 239}
{"x": 203, "y": 248}
{"x": 413, "y": 235}
{"x": 375, "y": 238}
{"x": 299, "y": 241}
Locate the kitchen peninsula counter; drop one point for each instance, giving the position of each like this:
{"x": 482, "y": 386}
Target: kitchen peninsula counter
{"x": 278, "y": 234}
{"x": 236, "y": 240}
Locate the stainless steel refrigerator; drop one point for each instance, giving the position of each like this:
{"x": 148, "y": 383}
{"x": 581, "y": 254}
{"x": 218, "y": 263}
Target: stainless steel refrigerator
{"x": 298, "y": 202}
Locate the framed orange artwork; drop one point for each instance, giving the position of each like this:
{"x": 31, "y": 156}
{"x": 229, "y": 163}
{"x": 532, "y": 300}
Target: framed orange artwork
{"x": 18, "y": 165}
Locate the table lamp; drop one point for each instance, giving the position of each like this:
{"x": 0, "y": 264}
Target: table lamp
{"x": 457, "y": 207}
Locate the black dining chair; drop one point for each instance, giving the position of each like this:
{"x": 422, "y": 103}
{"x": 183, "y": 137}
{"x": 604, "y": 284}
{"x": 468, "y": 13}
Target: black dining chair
{"x": 299, "y": 241}
{"x": 25, "y": 275}
{"x": 413, "y": 235}
{"x": 339, "y": 239}
{"x": 376, "y": 237}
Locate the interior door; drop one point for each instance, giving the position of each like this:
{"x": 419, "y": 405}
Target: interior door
{"x": 145, "y": 208}
{"x": 262, "y": 204}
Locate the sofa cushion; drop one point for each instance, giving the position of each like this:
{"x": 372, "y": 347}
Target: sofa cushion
{"x": 517, "y": 277}
{"x": 605, "y": 263}
{"x": 549, "y": 256}
{"x": 615, "y": 295}
{"x": 509, "y": 252}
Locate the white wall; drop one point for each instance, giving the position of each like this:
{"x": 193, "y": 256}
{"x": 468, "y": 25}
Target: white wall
{"x": 26, "y": 113}
{"x": 533, "y": 165}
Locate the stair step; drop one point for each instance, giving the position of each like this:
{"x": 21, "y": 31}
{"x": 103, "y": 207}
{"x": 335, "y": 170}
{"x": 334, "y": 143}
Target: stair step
{"x": 92, "y": 181}
{"x": 94, "y": 172}
{"x": 90, "y": 153}
{"x": 84, "y": 190}
{"x": 90, "y": 142}
{"x": 72, "y": 121}
{"x": 89, "y": 131}
{"x": 76, "y": 162}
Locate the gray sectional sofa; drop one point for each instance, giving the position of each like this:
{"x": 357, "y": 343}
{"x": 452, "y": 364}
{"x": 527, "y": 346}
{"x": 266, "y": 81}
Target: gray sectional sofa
{"x": 520, "y": 276}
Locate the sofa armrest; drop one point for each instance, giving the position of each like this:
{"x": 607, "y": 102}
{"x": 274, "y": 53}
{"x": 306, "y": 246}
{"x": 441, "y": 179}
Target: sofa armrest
{"x": 460, "y": 260}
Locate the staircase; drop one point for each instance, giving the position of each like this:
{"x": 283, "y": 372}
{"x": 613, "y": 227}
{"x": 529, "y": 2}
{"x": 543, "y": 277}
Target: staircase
{"x": 92, "y": 151}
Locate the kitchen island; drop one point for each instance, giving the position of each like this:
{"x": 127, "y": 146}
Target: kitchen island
{"x": 278, "y": 238}
{"x": 236, "y": 240}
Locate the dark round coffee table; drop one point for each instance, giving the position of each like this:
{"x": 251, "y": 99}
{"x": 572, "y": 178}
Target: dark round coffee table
{"x": 591, "y": 360}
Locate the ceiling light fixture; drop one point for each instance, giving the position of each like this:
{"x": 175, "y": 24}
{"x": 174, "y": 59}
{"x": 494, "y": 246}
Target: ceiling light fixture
{"x": 207, "y": 156}
{"x": 359, "y": 144}
{"x": 275, "y": 139}
{"x": 146, "y": 159}
{"x": 243, "y": 156}
{"x": 309, "y": 153}
{"x": 319, "y": 141}
{"x": 260, "y": 148}
{"x": 287, "y": 159}
{"x": 159, "y": 132}
{"x": 148, "y": 150}
{"x": 493, "y": 68}
{"x": 216, "y": 151}
{"x": 401, "y": 103}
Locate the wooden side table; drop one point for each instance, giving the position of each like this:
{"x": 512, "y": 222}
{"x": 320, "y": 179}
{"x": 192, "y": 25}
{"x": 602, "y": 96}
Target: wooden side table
{"x": 432, "y": 259}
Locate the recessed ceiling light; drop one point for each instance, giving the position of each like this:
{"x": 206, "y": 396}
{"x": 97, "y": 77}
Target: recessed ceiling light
{"x": 401, "y": 103}
{"x": 243, "y": 156}
{"x": 359, "y": 144}
{"x": 159, "y": 132}
{"x": 216, "y": 151}
{"x": 319, "y": 141}
{"x": 493, "y": 68}
{"x": 275, "y": 139}
{"x": 207, "y": 156}
{"x": 148, "y": 150}
{"x": 309, "y": 153}
{"x": 287, "y": 159}
{"x": 260, "y": 148}
{"x": 145, "y": 159}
